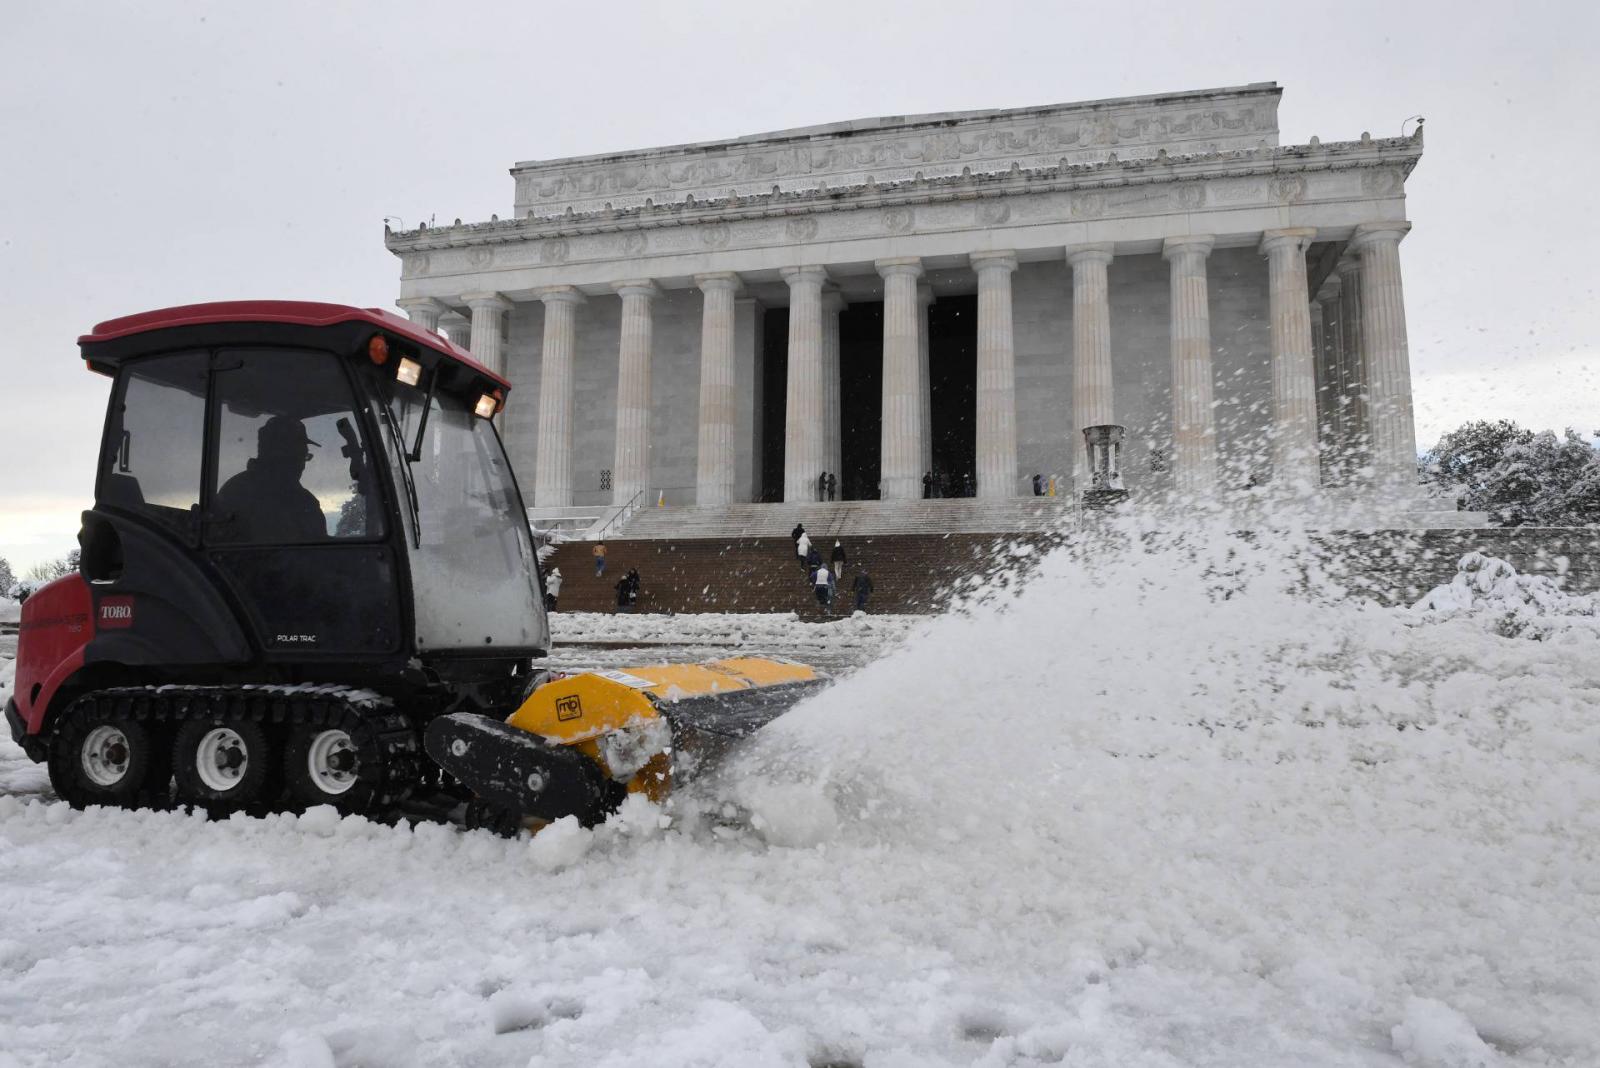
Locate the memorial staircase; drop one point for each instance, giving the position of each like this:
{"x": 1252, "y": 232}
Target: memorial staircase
{"x": 911, "y": 572}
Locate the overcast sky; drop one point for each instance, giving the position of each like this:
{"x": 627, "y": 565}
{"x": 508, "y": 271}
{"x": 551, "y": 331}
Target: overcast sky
{"x": 155, "y": 154}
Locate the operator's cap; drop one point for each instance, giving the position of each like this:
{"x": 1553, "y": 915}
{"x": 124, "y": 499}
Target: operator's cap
{"x": 282, "y": 433}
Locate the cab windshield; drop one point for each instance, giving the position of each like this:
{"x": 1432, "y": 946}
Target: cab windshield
{"x": 473, "y": 565}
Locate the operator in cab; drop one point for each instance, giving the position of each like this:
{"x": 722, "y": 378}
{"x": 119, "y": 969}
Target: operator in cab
{"x": 266, "y": 502}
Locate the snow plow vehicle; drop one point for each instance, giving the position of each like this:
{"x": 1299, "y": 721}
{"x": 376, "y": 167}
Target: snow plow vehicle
{"x": 307, "y": 549}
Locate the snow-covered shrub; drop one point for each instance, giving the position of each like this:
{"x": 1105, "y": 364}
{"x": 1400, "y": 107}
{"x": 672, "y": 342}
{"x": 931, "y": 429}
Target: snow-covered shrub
{"x": 1512, "y": 604}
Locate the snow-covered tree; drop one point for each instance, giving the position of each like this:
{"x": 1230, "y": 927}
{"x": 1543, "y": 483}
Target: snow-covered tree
{"x": 51, "y": 570}
{"x": 8, "y": 578}
{"x": 1518, "y": 476}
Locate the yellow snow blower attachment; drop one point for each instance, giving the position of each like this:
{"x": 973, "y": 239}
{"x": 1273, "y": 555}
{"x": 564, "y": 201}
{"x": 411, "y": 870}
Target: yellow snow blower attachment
{"x": 581, "y": 743}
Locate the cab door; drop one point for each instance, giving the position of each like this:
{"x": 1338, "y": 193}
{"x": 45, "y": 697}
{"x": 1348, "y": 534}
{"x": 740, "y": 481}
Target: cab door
{"x": 294, "y": 513}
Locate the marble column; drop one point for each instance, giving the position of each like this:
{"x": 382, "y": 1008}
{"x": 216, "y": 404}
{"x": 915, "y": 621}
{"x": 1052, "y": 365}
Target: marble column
{"x": 1391, "y": 424}
{"x": 997, "y": 379}
{"x": 424, "y": 311}
{"x": 1092, "y": 399}
{"x": 924, "y": 301}
{"x": 488, "y": 341}
{"x": 832, "y": 414}
{"x": 457, "y": 328}
{"x": 1352, "y": 371}
{"x": 631, "y": 469}
{"x": 901, "y": 470}
{"x": 714, "y": 467}
{"x": 552, "y": 479}
{"x": 1294, "y": 380}
{"x": 1194, "y": 428}
{"x": 804, "y": 454}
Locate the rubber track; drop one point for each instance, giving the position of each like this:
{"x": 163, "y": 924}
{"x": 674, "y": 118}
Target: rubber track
{"x": 396, "y": 739}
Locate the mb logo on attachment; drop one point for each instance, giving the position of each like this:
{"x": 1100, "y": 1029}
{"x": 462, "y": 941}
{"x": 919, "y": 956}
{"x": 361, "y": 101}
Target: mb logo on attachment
{"x": 568, "y": 708}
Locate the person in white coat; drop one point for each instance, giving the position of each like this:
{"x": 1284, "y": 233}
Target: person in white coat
{"x": 552, "y": 589}
{"x": 824, "y": 587}
{"x": 802, "y": 548}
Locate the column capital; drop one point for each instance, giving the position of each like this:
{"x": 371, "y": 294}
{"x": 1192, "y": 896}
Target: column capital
{"x": 1315, "y": 304}
{"x": 1102, "y": 253}
{"x": 802, "y": 275}
{"x": 1368, "y": 232}
{"x": 1188, "y": 243}
{"x": 728, "y": 280}
{"x": 833, "y": 300}
{"x": 638, "y": 287}
{"x": 486, "y": 301}
{"x": 1299, "y": 238}
{"x": 925, "y": 293}
{"x": 907, "y": 265}
{"x": 1331, "y": 288}
{"x": 993, "y": 261}
{"x": 452, "y": 318}
{"x": 560, "y": 294}
{"x": 412, "y": 305}
{"x": 1349, "y": 264}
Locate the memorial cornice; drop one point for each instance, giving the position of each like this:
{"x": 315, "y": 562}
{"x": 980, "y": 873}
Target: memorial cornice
{"x": 1233, "y": 193}
{"x": 1398, "y": 152}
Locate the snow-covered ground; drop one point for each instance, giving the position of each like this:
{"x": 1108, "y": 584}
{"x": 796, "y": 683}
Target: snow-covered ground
{"x": 1169, "y": 810}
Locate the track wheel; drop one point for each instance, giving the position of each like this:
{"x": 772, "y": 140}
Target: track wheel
{"x": 354, "y": 763}
{"x": 224, "y": 764}
{"x": 105, "y": 757}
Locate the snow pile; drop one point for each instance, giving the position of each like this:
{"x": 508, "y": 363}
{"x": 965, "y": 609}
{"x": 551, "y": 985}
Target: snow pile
{"x": 1180, "y": 803}
{"x": 1490, "y": 591}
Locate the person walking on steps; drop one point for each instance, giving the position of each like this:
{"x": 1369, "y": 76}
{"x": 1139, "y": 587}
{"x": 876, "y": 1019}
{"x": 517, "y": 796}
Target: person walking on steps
{"x": 624, "y": 588}
{"x": 599, "y": 559}
{"x": 634, "y": 582}
{"x": 802, "y": 547}
{"x": 552, "y": 589}
{"x": 813, "y": 561}
{"x": 799, "y": 529}
{"x": 837, "y": 559}
{"x": 823, "y": 582}
{"x": 862, "y": 587}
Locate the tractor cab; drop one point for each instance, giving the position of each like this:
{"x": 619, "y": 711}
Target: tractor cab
{"x": 291, "y": 494}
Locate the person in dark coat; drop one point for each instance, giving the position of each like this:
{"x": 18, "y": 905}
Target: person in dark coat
{"x": 799, "y": 529}
{"x": 862, "y": 586}
{"x": 822, "y": 486}
{"x": 837, "y": 559}
{"x": 927, "y": 486}
{"x": 624, "y": 588}
{"x": 1038, "y": 485}
{"x": 833, "y": 484}
{"x": 813, "y": 561}
{"x": 634, "y": 582}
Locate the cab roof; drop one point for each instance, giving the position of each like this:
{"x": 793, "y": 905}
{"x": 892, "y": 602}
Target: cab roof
{"x": 286, "y": 312}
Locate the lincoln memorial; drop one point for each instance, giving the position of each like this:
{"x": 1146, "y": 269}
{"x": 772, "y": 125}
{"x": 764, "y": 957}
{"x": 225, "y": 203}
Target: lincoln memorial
{"x": 949, "y": 300}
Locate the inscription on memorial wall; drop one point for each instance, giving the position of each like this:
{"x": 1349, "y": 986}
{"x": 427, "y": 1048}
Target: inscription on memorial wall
{"x": 1041, "y": 137}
